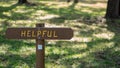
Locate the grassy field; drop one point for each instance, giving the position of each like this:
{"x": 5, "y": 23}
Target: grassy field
{"x": 96, "y": 42}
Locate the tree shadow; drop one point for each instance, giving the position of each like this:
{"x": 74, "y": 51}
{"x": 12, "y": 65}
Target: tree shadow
{"x": 65, "y": 14}
{"x": 69, "y": 13}
{"x": 110, "y": 56}
{"x": 58, "y": 58}
{"x": 12, "y": 45}
{"x": 14, "y": 15}
{"x": 102, "y": 52}
{"x": 6, "y": 9}
{"x": 18, "y": 60}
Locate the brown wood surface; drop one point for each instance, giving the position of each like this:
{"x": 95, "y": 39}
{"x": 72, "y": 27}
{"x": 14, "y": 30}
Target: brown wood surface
{"x": 61, "y": 33}
{"x": 40, "y": 53}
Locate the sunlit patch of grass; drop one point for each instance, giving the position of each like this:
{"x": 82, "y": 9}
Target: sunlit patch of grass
{"x": 76, "y": 56}
{"x": 82, "y": 39}
{"x": 7, "y": 13}
{"x": 104, "y": 35}
{"x": 3, "y": 48}
{"x": 26, "y": 51}
{"x": 55, "y": 50}
{"x": 55, "y": 5}
{"x": 52, "y": 65}
{"x": 80, "y": 46}
{"x": 96, "y": 5}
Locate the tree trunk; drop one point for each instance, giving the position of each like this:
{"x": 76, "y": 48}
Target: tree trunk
{"x": 68, "y": 0}
{"x": 113, "y": 10}
{"x": 75, "y": 1}
{"x": 22, "y": 1}
{"x": 119, "y": 8}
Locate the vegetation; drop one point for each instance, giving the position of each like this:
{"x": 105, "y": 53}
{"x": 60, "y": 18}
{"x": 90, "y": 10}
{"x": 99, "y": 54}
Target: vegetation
{"x": 96, "y": 43}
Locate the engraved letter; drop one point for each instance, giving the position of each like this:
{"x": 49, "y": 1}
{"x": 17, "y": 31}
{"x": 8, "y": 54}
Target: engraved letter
{"x": 33, "y": 34}
{"x": 23, "y": 33}
{"x": 28, "y": 33}
{"x": 49, "y": 34}
{"x": 38, "y": 33}
{"x": 54, "y": 34}
{"x": 43, "y": 33}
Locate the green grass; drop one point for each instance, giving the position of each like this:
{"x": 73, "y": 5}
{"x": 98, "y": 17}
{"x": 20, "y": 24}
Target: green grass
{"x": 95, "y": 44}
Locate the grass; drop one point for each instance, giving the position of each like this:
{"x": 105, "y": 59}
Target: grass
{"x": 95, "y": 44}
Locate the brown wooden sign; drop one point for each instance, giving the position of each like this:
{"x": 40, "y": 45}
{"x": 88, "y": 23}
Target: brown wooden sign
{"x": 40, "y": 34}
{"x": 43, "y": 33}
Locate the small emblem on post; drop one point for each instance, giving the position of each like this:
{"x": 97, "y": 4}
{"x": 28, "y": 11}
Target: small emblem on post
{"x": 40, "y": 47}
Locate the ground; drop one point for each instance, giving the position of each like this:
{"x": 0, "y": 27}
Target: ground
{"x": 96, "y": 41}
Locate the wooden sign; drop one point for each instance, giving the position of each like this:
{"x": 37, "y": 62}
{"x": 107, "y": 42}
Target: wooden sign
{"x": 43, "y": 33}
{"x": 40, "y": 34}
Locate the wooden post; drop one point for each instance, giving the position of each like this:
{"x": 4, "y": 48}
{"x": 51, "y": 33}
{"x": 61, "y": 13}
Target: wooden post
{"x": 40, "y": 50}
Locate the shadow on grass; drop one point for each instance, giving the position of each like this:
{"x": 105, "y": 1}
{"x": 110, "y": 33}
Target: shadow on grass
{"x": 10, "y": 60}
{"x": 6, "y": 9}
{"x": 65, "y": 13}
{"x": 14, "y": 15}
{"x": 69, "y": 13}
{"x": 14, "y": 61}
{"x": 60, "y": 58}
{"x": 102, "y": 52}
{"x": 14, "y": 44}
{"x": 110, "y": 57}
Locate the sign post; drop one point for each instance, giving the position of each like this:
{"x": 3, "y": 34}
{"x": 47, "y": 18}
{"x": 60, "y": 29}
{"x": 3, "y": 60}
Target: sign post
{"x": 40, "y": 50}
{"x": 40, "y": 33}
